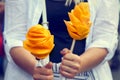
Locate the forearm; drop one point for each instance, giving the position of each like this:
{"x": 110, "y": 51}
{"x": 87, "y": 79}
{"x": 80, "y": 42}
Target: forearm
{"x": 91, "y": 58}
{"x": 23, "y": 58}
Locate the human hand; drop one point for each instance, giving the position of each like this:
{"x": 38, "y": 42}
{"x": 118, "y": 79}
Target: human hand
{"x": 43, "y": 73}
{"x": 70, "y": 65}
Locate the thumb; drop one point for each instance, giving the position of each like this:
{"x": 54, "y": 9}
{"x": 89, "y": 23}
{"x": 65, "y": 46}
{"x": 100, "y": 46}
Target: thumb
{"x": 65, "y": 51}
{"x": 49, "y": 65}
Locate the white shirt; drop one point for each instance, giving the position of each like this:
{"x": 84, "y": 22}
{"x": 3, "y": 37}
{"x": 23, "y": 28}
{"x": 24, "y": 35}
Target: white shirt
{"x": 103, "y": 34}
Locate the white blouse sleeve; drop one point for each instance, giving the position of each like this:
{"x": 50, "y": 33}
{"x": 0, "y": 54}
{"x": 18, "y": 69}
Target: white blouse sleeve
{"x": 19, "y": 16}
{"x": 104, "y": 29}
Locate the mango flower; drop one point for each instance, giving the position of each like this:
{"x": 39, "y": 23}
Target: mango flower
{"x": 79, "y": 25}
{"x": 39, "y": 41}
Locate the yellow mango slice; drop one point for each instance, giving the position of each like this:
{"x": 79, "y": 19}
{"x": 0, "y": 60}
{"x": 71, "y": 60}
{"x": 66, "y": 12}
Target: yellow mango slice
{"x": 39, "y": 41}
{"x": 79, "y": 25}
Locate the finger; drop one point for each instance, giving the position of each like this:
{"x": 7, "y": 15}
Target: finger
{"x": 43, "y": 71}
{"x": 71, "y": 57}
{"x": 66, "y": 74}
{"x": 49, "y": 65}
{"x": 72, "y": 64}
{"x": 42, "y": 77}
{"x": 65, "y": 51}
{"x": 68, "y": 70}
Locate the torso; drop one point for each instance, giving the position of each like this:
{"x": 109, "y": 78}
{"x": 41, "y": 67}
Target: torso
{"x": 57, "y": 12}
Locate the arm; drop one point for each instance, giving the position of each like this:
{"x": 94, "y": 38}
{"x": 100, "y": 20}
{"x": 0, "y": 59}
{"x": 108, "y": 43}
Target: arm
{"x": 92, "y": 57}
{"x": 14, "y": 33}
{"x": 23, "y": 58}
{"x": 28, "y": 62}
{"x": 73, "y": 64}
{"x": 102, "y": 42}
